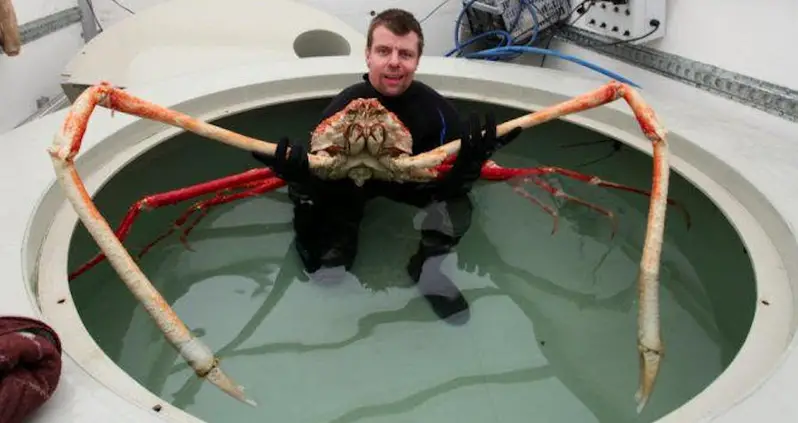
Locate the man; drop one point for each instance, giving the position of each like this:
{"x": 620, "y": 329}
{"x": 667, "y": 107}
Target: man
{"x": 327, "y": 214}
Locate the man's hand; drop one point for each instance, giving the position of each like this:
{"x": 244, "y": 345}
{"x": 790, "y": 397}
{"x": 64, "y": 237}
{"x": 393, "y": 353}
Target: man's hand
{"x": 292, "y": 167}
{"x": 475, "y": 149}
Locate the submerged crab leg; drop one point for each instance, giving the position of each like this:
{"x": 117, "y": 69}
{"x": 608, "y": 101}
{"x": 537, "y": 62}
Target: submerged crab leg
{"x": 492, "y": 171}
{"x": 62, "y": 153}
{"x": 262, "y": 178}
{"x": 649, "y": 343}
{"x": 203, "y": 207}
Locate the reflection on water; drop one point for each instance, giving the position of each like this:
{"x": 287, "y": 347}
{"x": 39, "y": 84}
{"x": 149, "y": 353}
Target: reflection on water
{"x": 552, "y": 334}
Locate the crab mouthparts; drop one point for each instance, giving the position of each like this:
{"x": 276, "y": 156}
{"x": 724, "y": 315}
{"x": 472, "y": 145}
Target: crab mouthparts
{"x": 360, "y": 175}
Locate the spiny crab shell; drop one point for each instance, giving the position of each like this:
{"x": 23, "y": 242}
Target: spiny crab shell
{"x": 363, "y": 139}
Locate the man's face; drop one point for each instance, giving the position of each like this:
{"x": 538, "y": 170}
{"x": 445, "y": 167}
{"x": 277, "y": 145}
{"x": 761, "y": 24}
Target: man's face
{"x": 392, "y": 61}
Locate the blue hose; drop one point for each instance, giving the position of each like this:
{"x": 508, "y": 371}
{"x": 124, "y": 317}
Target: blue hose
{"x": 509, "y": 50}
{"x": 526, "y": 49}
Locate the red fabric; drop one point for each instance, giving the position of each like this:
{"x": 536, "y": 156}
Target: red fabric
{"x": 30, "y": 366}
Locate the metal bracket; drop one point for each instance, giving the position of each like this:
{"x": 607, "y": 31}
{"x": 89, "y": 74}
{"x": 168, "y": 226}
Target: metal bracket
{"x": 768, "y": 97}
{"x": 89, "y": 20}
{"x": 38, "y": 28}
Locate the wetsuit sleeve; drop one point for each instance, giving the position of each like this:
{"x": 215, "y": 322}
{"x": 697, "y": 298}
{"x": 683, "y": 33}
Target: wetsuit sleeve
{"x": 451, "y": 118}
{"x": 438, "y": 121}
{"x": 442, "y": 125}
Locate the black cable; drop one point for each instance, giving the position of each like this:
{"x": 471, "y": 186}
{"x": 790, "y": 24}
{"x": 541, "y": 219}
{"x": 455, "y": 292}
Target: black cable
{"x": 617, "y": 147}
{"x": 577, "y": 7}
{"x": 554, "y": 29}
{"x": 547, "y": 19}
{"x": 94, "y": 15}
{"x": 582, "y": 14}
{"x": 116, "y": 2}
{"x": 559, "y": 27}
{"x": 435, "y": 10}
{"x": 654, "y": 23}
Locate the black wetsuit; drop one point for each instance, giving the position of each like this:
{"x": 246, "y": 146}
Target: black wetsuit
{"x": 327, "y": 214}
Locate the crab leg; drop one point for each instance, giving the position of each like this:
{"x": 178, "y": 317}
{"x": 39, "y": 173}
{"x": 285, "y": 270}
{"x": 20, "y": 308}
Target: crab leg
{"x": 494, "y": 172}
{"x": 9, "y": 29}
{"x": 62, "y": 152}
{"x": 262, "y": 178}
{"x": 105, "y": 95}
{"x": 204, "y": 207}
{"x": 649, "y": 343}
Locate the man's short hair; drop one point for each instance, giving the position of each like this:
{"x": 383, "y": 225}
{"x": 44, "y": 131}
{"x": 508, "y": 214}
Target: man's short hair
{"x": 398, "y": 21}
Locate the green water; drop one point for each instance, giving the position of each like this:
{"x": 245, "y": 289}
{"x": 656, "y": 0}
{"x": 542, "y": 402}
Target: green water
{"x": 553, "y": 326}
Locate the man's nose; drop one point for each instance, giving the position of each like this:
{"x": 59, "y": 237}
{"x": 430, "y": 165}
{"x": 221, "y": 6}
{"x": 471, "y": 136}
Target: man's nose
{"x": 394, "y": 59}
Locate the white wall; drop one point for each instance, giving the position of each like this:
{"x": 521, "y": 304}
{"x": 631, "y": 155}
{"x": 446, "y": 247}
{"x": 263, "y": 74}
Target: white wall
{"x": 34, "y": 73}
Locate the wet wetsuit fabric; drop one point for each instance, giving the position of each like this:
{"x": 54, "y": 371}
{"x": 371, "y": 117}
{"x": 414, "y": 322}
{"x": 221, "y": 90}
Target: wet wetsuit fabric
{"x": 327, "y": 221}
{"x": 327, "y": 214}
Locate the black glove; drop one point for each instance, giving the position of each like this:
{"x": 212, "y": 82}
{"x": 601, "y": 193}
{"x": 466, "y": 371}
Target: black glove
{"x": 475, "y": 149}
{"x": 292, "y": 168}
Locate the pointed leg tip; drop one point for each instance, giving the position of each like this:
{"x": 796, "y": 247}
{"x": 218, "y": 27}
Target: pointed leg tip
{"x": 650, "y": 369}
{"x": 641, "y": 403}
{"x": 226, "y": 384}
{"x": 642, "y": 396}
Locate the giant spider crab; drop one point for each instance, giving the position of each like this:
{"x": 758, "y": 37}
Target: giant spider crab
{"x": 362, "y": 141}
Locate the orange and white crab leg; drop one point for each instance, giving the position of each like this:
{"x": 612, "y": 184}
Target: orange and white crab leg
{"x": 63, "y": 151}
{"x": 650, "y": 349}
{"x": 110, "y": 97}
